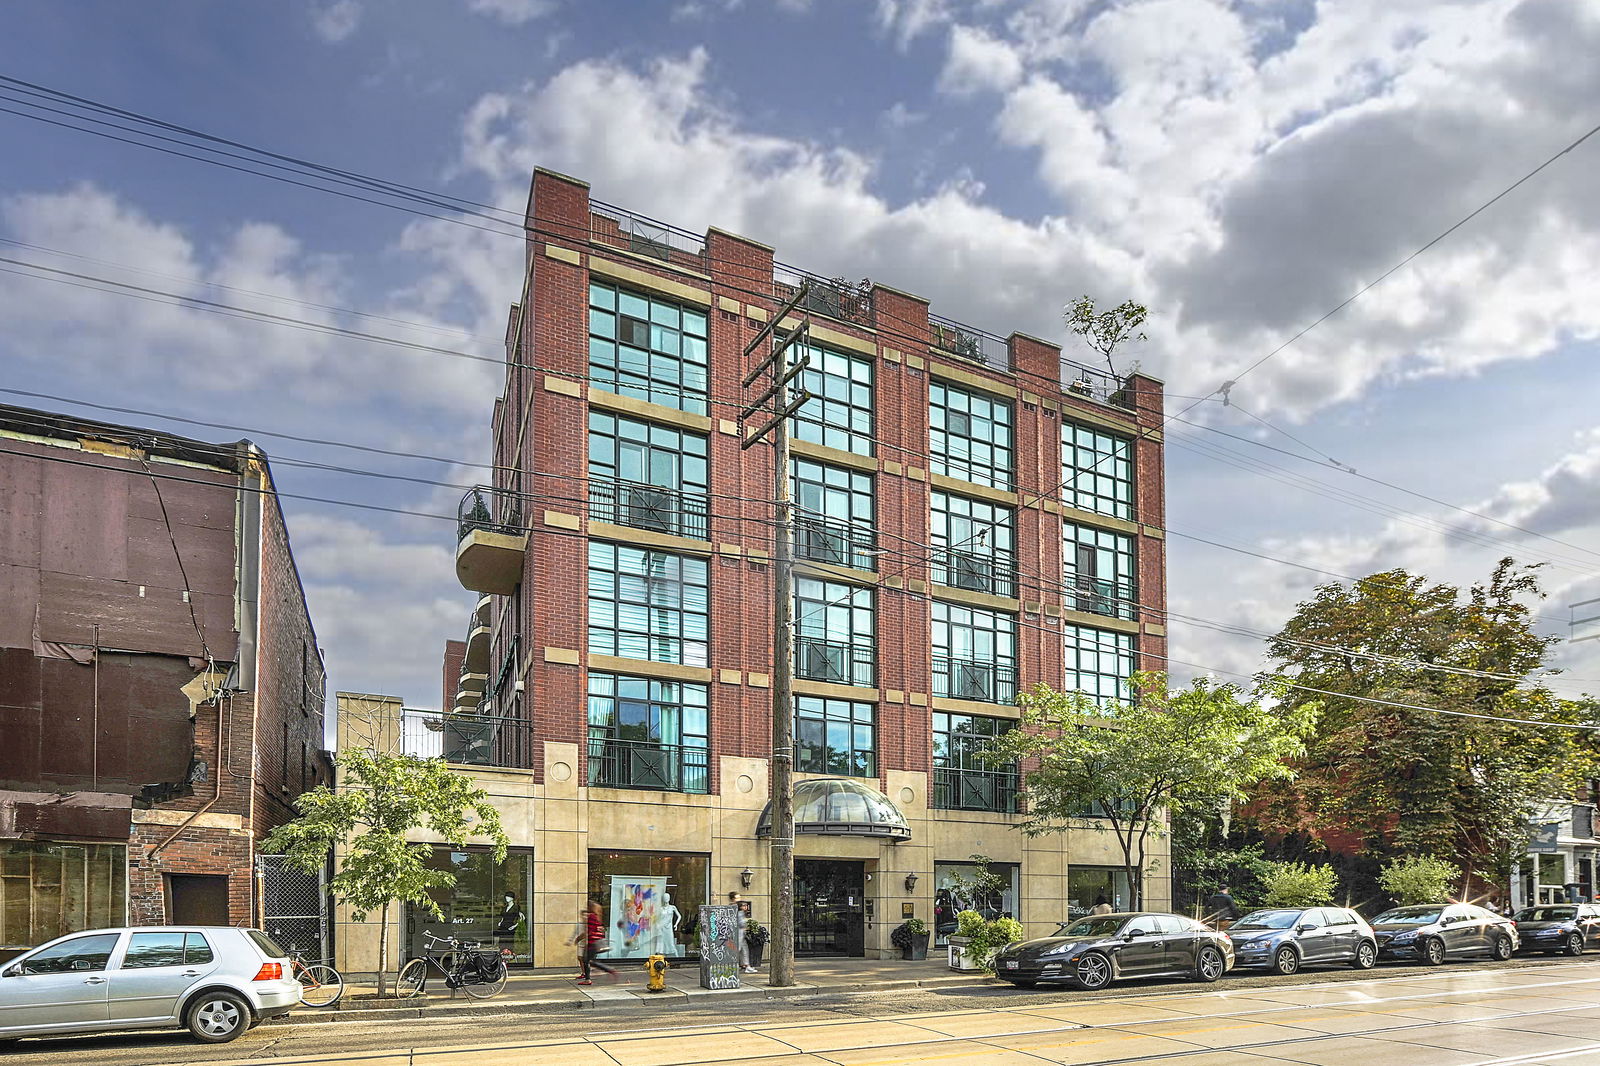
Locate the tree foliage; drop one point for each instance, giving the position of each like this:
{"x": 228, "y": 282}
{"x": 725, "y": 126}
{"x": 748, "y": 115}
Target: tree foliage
{"x": 1300, "y": 884}
{"x": 1418, "y": 880}
{"x": 381, "y": 800}
{"x": 1123, "y": 764}
{"x": 1412, "y": 781}
{"x": 1106, "y": 331}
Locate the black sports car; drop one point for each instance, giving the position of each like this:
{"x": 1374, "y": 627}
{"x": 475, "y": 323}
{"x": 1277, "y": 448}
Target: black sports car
{"x": 1093, "y": 951}
{"x": 1564, "y": 927}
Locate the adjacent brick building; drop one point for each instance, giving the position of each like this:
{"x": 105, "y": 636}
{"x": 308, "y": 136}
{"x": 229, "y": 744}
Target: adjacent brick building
{"x": 161, "y": 690}
{"x": 975, "y": 515}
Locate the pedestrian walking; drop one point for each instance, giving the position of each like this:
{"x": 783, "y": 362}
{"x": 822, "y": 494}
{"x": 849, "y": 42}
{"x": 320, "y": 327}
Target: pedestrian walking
{"x": 744, "y": 946}
{"x": 591, "y": 941}
{"x": 1223, "y": 909}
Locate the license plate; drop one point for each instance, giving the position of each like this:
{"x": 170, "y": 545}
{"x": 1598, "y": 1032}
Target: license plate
{"x": 1011, "y": 965}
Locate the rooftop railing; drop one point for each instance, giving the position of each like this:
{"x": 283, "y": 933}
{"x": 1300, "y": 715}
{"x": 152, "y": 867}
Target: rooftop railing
{"x": 833, "y": 297}
{"x": 968, "y": 342}
{"x": 1092, "y": 384}
{"x": 469, "y": 739}
{"x": 631, "y": 232}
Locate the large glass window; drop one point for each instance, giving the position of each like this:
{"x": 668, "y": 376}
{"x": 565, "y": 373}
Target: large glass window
{"x": 974, "y": 653}
{"x": 649, "y": 733}
{"x": 1096, "y": 471}
{"x": 970, "y": 433}
{"x": 961, "y": 780}
{"x": 833, "y": 514}
{"x": 1090, "y": 886}
{"x": 1099, "y": 662}
{"x": 650, "y": 901}
{"x": 956, "y": 888}
{"x": 49, "y": 889}
{"x": 834, "y": 737}
{"x": 647, "y": 347}
{"x": 647, "y": 604}
{"x": 647, "y": 476}
{"x": 1100, "y": 575}
{"x": 839, "y": 413}
{"x": 834, "y": 628}
{"x": 490, "y": 902}
{"x": 975, "y": 544}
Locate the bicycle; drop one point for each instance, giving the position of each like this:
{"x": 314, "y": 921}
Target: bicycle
{"x": 480, "y": 974}
{"x": 320, "y": 984}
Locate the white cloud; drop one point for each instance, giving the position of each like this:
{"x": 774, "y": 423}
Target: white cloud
{"x": 335, "y": 21}
{"x": 513, "y": 12}
{"x": 978, "y": 62}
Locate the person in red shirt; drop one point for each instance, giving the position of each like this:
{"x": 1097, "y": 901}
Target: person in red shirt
{"x": 591, "y": 940}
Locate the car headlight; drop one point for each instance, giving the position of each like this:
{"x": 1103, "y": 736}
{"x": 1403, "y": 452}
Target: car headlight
{"x": 1403, "y": 938}
{"x": 1057, "y": 951}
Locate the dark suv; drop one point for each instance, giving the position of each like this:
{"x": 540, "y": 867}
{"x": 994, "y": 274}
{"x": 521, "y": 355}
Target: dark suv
{"x": 1433, "y": 932}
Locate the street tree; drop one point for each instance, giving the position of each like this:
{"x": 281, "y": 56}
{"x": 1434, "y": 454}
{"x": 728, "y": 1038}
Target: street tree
{"x": 1122, "y": 766}
{"x": 1106, "y": 331}
{"x": 381, "y": 800}
{"x": 1418, "y": 782}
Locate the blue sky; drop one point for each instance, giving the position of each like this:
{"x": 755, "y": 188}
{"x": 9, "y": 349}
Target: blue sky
{"x": 1240, "y": 168}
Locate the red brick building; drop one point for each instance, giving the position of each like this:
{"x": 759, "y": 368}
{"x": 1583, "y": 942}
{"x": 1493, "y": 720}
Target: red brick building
{"x": 975, "y": 515}
{"x": 161, "y": 690}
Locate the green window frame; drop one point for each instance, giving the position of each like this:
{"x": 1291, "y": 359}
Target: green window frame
{"x": 974, "y": 653}
{"x": 835, "y": 737}
{"x": 648, "y": 347}
{"x": 971, "y": 435}
{"x": 631, "y": 716}
{"x": 1099, "y": 571}
{"x": 840, "y": 411}
{"x": 1096, "y": 471}
{"x": 974, "y": 542}
{"x": 648, "y": 604}
{"x": 961, "y": 780}
{"x": 833, "y": 514}
{"x": 649, "y": 476}
{"x": 1099, "y": 662}
{"x": 835, "y": 628}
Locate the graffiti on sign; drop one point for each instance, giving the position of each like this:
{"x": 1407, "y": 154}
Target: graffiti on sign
{"x": 720, "y": 929}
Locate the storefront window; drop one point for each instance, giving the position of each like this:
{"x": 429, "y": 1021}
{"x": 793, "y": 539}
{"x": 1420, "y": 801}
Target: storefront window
{"x": 952, "y": 894}
{"x": 1088, "y": 886}
{"x": 491, "y": 902}
{"x": 650, "y": 901}
{"x": 48, "y": 890}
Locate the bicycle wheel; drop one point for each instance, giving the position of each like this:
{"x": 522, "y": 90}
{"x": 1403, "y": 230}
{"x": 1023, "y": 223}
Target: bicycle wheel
{"x": 482, "y": 989}
{"x": 320, "y": 986}
{"x": 413, "y": 978}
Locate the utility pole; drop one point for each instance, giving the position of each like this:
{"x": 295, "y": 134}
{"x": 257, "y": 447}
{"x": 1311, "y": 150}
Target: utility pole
{"x": 776, "y": 402}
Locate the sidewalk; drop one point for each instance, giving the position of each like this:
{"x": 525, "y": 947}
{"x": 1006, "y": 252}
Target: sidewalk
{"x": 551, "y": 989}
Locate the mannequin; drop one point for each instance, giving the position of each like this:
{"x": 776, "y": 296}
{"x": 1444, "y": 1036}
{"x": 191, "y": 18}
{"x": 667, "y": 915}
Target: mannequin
{"x": 505, "y": 926}
{"x": 664, "y": 940}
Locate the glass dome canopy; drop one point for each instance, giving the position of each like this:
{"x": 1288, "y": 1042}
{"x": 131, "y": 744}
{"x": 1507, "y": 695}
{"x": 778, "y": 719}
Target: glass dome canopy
{"x": 841, "y": 806}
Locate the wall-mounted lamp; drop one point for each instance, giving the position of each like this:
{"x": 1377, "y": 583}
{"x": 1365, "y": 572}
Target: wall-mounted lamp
{"x": 911, "y": 882}
{"x": 745, "y": 877}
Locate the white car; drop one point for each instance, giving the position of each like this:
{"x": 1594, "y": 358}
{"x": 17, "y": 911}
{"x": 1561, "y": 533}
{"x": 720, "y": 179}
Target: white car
{"x": 215, "y": 981}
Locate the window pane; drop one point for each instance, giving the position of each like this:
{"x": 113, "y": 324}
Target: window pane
{"x": 153, "y": 949}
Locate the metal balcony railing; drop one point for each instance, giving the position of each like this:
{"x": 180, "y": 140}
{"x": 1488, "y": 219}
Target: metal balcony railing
{"x": 660, "y": 510}
{"x": 1092, "y": 384}
{"x": 975, "y": 790}
{"x": 487, "y": 508}
{"x": 970, "y": 343}
{"x": 994, "y": 573}
{"x": 615, "y": 763}
{"x": 1093, "y": 595}
{"x": 621, "y": 228}
{"x": 834, "y": 662}
{"x": 833, "y": 297}
{"x": 969, "y": 679}
{"x": 472, "y": 739}
{"x": 827, "y": 540}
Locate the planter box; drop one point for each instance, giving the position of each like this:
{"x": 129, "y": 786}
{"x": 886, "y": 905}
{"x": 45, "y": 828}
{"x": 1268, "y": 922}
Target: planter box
{"x": 918, "y": 949}
{"x": 961, "y": 959}
{"x": 756, "y": 951}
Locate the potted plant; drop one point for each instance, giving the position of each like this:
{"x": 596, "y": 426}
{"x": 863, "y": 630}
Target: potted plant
{"x": 911, "y": 937}
{"x": 969, "y": 926}
{"x": 756, "y": 936}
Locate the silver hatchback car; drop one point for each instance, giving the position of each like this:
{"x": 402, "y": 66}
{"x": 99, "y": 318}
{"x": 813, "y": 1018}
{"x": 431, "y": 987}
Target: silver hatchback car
{"x": 215, "y": 981}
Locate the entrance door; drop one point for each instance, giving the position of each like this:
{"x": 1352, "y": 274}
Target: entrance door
{"x": 828, "y": 907}
{"x": 198, "y": 899}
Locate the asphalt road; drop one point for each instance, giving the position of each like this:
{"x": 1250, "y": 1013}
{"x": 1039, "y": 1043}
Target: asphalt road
{"x": 334, "y": 1040}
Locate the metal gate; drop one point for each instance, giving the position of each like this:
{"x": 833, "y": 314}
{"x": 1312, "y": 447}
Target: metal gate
{"x": 294, "y": 906}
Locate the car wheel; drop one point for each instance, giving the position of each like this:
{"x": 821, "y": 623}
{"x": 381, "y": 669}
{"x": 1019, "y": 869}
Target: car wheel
{"x": 1093, "y": 971}
{"x": 1366, "y": 955}
{"x": 1574, "y": 944}
{"x": 218, "y": 1017}
{"x": 1286, "y": 962}
{"x": 1210, "y": 965}
{"x": 1432, "y": 953}
{"x": 1503, "y": 949}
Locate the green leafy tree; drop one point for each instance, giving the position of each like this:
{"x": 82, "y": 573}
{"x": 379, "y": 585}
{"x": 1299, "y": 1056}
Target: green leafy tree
{"x": 1124, "y": 764}
{"x": 1106, "y": 331}
{"x": 383, "y": 798}
{"x": 1299, "y": 884}
{"x": 1418, "y": 880}
{"x": 1205, "y": 859}
{"x": 1414, "y": 781}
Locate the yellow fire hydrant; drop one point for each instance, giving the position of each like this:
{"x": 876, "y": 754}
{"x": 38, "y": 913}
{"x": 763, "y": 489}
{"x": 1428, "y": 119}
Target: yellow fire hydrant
{"x": 656, "y": 974}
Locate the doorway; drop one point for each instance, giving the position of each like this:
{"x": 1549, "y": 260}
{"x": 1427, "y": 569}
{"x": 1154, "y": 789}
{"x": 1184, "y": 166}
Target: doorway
{"x": 829, "y": 904}
{"x": 197, "y": 899}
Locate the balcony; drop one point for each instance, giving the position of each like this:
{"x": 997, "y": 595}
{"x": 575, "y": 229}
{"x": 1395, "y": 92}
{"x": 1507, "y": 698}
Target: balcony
{"x": 969, "y": 679}
{"x": 473, "y": 684}
{"x": 476, "y": 659}
{"x": 660, "y": 510}
{"x": 836, "y": 298}
{"x": 994, "y": 573}
{"x": 481, "y": 613}
{"x": 1112, "y": 599}
{"x": 470, "y": 739}
{"x": 825, "y": 540}
{"x": 617, "y": 227}
{"x": 493, "y": 541}
{"x": 1088, "y": 383}
{"x": 834, "y": 662}
{"x": 975, "y": 790}
{"x": 968, "y": 343}
{"x": 648, "y": 765}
